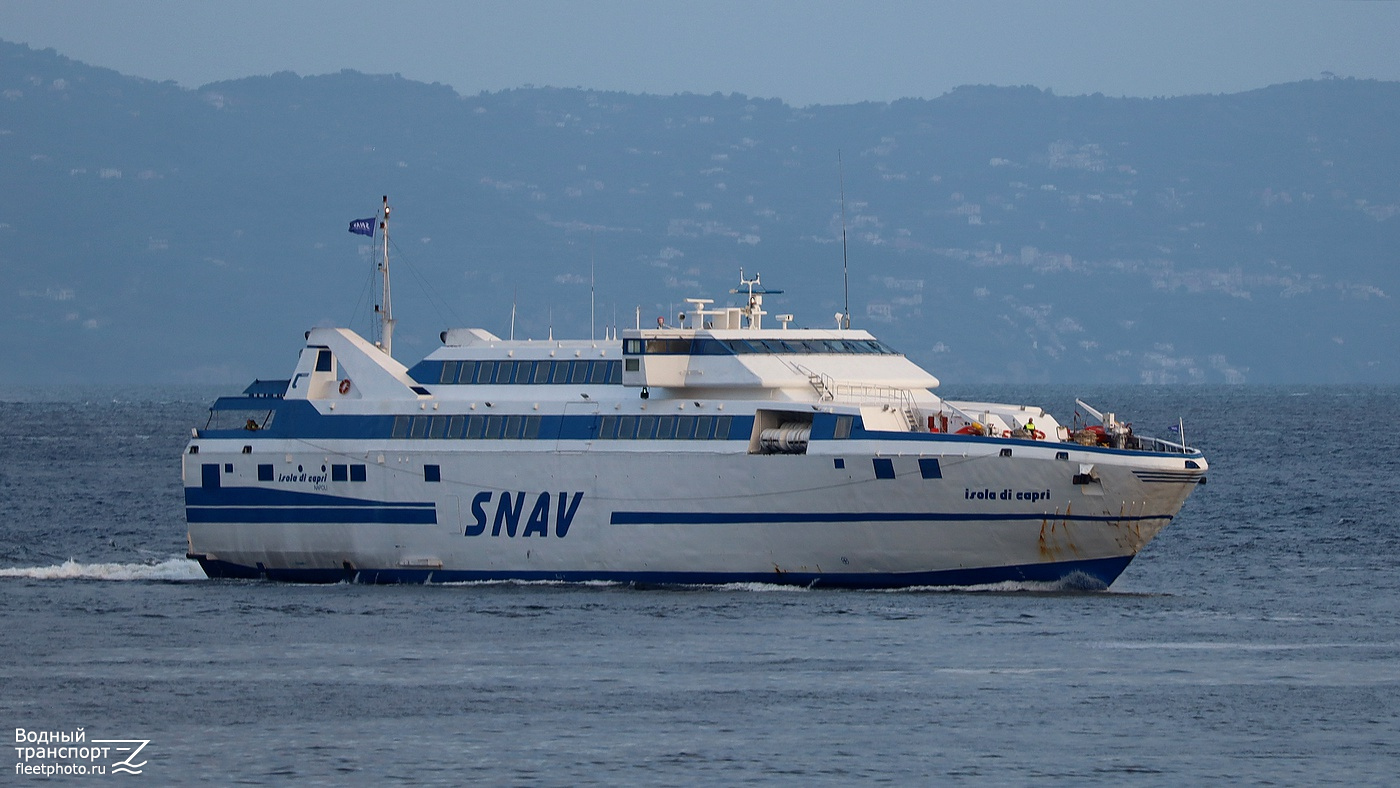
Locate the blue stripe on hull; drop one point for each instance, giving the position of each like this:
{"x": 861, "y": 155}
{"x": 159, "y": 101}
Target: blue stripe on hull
{"x": 310, "y": 514}
{"x": 262, "y": 496}
{"x": 773, "y": 518}
{"x": 1095, "y": 573}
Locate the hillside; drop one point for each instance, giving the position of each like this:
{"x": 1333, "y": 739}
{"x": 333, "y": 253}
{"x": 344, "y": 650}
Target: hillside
{"x": 154, "y": 233}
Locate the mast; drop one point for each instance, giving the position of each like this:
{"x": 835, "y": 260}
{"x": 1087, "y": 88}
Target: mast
{"x": 385, "y": 310}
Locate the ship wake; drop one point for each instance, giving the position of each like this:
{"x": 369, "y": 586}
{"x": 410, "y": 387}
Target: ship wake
{"x": 170, "y": 569}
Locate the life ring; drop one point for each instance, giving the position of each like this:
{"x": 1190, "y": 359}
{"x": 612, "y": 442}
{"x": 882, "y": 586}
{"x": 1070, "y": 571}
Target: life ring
{"x": 345, "y": 386}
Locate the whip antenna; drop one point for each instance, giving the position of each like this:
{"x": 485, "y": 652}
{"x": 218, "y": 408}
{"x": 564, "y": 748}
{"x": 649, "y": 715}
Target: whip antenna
{"x": 845, "y": 274}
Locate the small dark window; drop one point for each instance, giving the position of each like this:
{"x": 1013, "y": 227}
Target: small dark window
{"x": 247, "y": 449}
{"x": 646, "y": 428}
{"x": 928, "y": 468}
{"x": 580, "y": 372}
{"x": 449, "y": 372}
{"x": 357, "y": 473}
{"x": 432, "y": 473}
{"x": 1006, "y": 452}
{"x": 194, "y": 450}
{"x": 627, "y": 427}
{"x": 466, "y": 372}
{"x": 702, "y": 427}
{"x": 884, "y": 467}
{"x": 561, "y": 372}
{"x": 484, "y": 371}
{"x": 614, "y": 372}
{"x": 228, "y": 467}
{"x": 542, "y": 371}
{"x": 685, "y": 427}
{"x": 454, "y": 427}
{"x": 1062, "y": 455}
{"x": 532, "y": 427}
{"x": 633, "y": 364}
{"x": 264, "y": 473}
{"x": 209, "y": 476}
{"x": 420, "y": 426}
{"x": 340, "y": 473}
{"x": 599, "y": 372}
{"x": 504, "y": 369}
{"x": 438, "y": 426}
{"x": 324, "y": 361}
{"x": 632, "y": 346}
{"x": 400, "y": 427}
{"x": 523, "y": 370}
{"x": 839, "y": 463}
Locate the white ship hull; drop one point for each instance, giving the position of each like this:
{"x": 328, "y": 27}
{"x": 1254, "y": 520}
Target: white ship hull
{"x": 685, "y": 516}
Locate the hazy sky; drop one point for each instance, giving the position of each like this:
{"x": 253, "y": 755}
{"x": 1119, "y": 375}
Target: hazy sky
{"x": 820, "y": 51}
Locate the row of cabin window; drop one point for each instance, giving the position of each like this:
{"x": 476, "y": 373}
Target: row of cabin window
{"x": 705, "y": 346}
{"x": 528, "y": 427}
{"x": 698, "y": 428}
{"x": 519, "y": 372}
{"x": 471, "y": 427}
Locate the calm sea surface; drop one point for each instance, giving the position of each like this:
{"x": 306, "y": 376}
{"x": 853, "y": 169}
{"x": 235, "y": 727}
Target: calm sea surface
{"x": 1256, "y": 641}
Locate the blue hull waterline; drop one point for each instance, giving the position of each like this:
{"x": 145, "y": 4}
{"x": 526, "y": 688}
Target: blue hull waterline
{"x": 713, "y": 451}
{"x": 1088, "y": 575}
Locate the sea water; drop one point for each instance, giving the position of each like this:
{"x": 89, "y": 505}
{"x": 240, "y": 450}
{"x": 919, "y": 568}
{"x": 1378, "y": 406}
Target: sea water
{"x": 1257, "y": 640}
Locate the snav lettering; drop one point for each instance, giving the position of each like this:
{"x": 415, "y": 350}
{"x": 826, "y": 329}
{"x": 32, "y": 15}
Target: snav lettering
{"x": 509, "y": 509}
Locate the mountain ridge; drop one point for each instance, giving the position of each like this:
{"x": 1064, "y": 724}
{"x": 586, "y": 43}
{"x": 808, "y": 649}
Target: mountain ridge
{"x": 158, "y": 233}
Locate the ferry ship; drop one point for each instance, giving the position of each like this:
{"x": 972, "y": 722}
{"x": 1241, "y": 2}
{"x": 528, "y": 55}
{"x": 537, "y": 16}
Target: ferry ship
{"x": 716, "y": 450}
